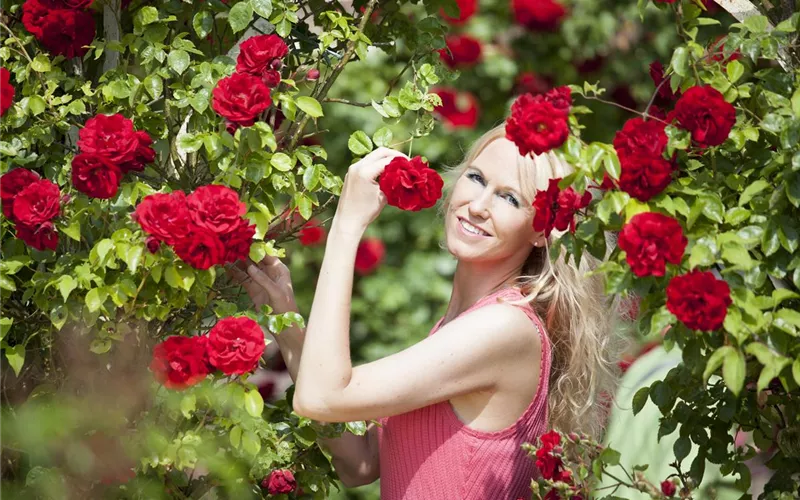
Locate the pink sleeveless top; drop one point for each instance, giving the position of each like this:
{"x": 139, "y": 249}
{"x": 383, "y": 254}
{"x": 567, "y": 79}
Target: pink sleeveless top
{"x": 430, "y": 454}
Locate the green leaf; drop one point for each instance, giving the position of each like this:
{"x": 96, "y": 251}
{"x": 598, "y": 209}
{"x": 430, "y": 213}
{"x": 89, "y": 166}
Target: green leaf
{"x": 178, "y": 60}
{"x": 262, "y": 7}
{"x": 96, "y": 298}
{"x": 640, "y": 399}
{"x": 304, "y": 205}
{"x": 154, "y": 85}
{"x": 73, "y": 230}
{"x": 682, "y": 447}
{"x": 752, "y": 190}
{"x": 16, "y": 357}
{"x": 610, "y": 456}
{"x": 680, "y": 61}
{"x": 735, "y": 70}
{"x": 310, "y": 106}
{"x": 737, "y": 255}
{"x": 282, "y": 162}
{"x": 189, "y": 405}
{"x": 733, "y": 370}
{"x": 796, "y": 103}
{"x": 40, "y": 64}
{"x": 203, "y": 23}
{"x": 359, "y": 143}
{"x": 5, "y": 326}
{"x": 391, "y": 107}
{"x": 235, "y": 436}
{"x": 383, "y": 137}
{"x": 36, "y": 104}
{"x": 66, "y": 284}
{"x": 796, "y": 370}
{"x": 240, "y": 16}
{"x": 756, "y": 24}
{"x": 661, "y": 319}
{"x": 715, "y": 361}
{"x": 133, "y": 257}
{"x": 736, "y": 215}
{"x": 253, "y": 403}
{"x": 311, "y": 177}
{"x": 250, "y": 443}
{"x": 100, "y": 346}
{"x": 147, "y": 15}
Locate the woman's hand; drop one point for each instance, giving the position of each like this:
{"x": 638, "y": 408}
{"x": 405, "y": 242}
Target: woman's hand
{"x": 362, "y": 200}
{"x": 268, "y": 283}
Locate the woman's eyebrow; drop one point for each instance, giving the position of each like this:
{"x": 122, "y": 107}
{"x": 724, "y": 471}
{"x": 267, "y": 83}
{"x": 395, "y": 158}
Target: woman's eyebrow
{"x": 506, "y": 188}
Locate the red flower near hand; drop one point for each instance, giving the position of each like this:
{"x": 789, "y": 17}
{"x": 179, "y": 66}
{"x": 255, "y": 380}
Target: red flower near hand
{"x": 458, "y": 109}
{"x": 467, "y": 9}
{"x": 262, "y": 56}
{"x": 311, "y": 234}
{"x": 113, "y": 137}
{"x": 164, "y": 216}
{"x": 650, "y": 240}
{"x": 180, "y": 362}
{"x": 279, "y": 481}
{"x": 461, "y": 51}
{"x": 538, "y": 15}
{"x": 201, "y": 248}
{"x": 235, "y": 345}
{"x": 6, "y": 91}
{"x": 555, "y": 209}
{"x": 703, "y": 111}
{"x": 644, "y": 177}
{"x": 369, "y": 255}
{"x": 11, "y": 183}
{"x": 95, "y": 176}
{"x": 240, "y": 98}
{"x": 699, "y": 300}
{"x": 646, "y": 138}
{"x": 216, "y": 208}
{"x": 410, "y": 184}
{"x": 37, "y": 203}
{"x": 536, "y": 125}
{"x": 238, "y": 242}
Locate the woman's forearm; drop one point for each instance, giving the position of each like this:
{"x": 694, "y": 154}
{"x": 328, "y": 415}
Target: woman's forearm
{"x": 290, "y": 342}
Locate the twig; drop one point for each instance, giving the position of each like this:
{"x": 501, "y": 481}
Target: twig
{"x": 345, "y": 101}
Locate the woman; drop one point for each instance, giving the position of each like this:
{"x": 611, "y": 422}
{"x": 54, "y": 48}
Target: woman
{"x": 523, "y": 347}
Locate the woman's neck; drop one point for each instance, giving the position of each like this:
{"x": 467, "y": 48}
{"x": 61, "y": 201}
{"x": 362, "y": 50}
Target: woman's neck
{"x": 471, "y": 283}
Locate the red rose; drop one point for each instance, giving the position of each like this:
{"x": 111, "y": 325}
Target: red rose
{"x": 34, "y": 13}
{"x": 569, "y": 202}
{"x": 549, "y": 466}
{"x": 143, "y": 155}
{"x": 311, "y": 234}
{"x": 42, "y": 237}
{"x": 11, "y": 183}
{"x": 538, "y": 15}
{"x": 644, "y": 176}
{"x": 703, "y": 111}
{"x": 646, "y": 138}
{"x": 535, "y": 125}
{"x": 237, "y": 243}
{"x": 261, "y": 56}
{"x": 164, "y": 216}
{"x": 410, "y": 184}
{"x": 201, "y": 248}
{"x": 312, "y": 75}
{"x": 37, "y": 203}
{"x": 369, "y": 255}
{"x": 153, "y": 244}
{"x": 550, "y": 439}
{"x": 531, "y": 83}
{"x": 458, "y": 109}
{"x": 560, "y": 98}
{"x": 699, "y": 300}
{"x": 216, "y": 208}
{"x": 180, "y": 362}
{"x": 461, "y": 50}
{"x": 113, "y": 137}
{"x": 467, "y": 9}
{"x": 664, "y": 94}
{"x": 6, "y": 91}
{"x": 67, "y": 32}
{"x": 235, "y": 345}
{"x": 668, "y": 488}
{"x": 588, "y": 66}
{"x": 95, "y": 176}
{"x": 241, "y": 98}
{"x": 650, "y": 240}
{"x": 77, "y": 4}
{"x": 279, "y": 481}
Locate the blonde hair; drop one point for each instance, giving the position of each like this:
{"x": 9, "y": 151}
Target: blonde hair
{"x": 581, "y": 321}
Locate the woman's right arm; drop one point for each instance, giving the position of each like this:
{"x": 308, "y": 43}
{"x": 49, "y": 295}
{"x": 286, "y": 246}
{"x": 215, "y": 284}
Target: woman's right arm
{"x": 355, "y": 458}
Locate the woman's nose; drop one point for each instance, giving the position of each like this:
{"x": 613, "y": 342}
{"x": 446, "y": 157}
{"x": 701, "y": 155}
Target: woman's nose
{"x": 479, "y": 206}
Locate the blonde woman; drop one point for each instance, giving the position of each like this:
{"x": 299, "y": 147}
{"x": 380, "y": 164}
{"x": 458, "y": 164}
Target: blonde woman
{"x": 523, "y": 347}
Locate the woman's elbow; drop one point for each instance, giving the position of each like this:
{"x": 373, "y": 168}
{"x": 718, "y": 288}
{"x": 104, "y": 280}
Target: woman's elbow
{"x": 356, "y": 480}
{"x": 313, "y": 408}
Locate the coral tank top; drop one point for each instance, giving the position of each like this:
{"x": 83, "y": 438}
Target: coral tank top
{"x": 429, "y": 453}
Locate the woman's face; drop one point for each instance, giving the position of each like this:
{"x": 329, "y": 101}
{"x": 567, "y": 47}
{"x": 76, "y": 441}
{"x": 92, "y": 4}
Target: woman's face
{"x": 490, "y": 217}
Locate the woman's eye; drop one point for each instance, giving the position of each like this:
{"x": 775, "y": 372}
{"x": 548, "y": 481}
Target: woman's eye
{"x": 512, "y": 200}
{"x": 475, "y": 177}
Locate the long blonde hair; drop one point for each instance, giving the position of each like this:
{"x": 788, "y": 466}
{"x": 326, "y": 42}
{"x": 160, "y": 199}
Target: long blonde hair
{"x": 581, "y": 321}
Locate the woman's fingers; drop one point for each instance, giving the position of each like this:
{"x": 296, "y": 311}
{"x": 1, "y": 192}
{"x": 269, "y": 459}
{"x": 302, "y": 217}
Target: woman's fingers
{"x": 262, "y": 279}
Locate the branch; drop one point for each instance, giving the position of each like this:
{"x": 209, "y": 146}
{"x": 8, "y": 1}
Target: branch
{"x": 345, "y": 101}
{"x": 111, "y": 32}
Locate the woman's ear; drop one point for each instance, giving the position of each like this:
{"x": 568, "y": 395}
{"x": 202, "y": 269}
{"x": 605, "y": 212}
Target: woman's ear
{"x": 538, "y": 240}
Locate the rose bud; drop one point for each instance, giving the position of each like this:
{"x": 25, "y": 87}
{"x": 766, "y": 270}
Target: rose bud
{"x": 312, "y": 75}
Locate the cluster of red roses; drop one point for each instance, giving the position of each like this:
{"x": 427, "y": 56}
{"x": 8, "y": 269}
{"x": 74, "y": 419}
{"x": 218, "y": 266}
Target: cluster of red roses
{"x": 241, "y": 97}
{"x": 204, "y": 229}
{"x": 550, "y": 465}
{"x": 536, "y": 15}
{"x": 538, "y": 123}
{"x": 6, "y": 91}
{"x": 233, "y": 346}
{"x": 64, "y": 27}
{"x": 556, "y": 209}
{"x": 31, "y": 203}
{"x": 109, "y": 148}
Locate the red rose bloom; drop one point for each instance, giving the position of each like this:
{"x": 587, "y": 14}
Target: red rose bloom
{"x": 410, "y": 184}
{"x": 650, "y": 240}
{"x": 531, "y": 83}
{"x": 95, "y": 176}
{"x": 538, "y": 15}
{"x": 113, "y": 137}
{"x": 550, "y": 439}
{"x": 458, "y": 109}
{"x": 11, "y": 183}
{"x": 6, "y": 91}
{"x": 699, "y": 300}
{"x": 535, "y": 125}
{"x": 262, "y": 56}
{"x": 668, "y": 488}
{"x": 369, "y": 255}
{"x": 235, "y": 345}
{"x": 240, "y": 98}
{"x": 67, "y": 32}
{"x": 644, "y": 177}
{"x": 143, "y": 155}
{"x": 703, "y": 111}
{"x": 180, "y": 362}
{"x": 164, "y": 216}
{"x": 216, "y": 208}
{"x": 554, "y": 208}
{"x": 153, "y": 244}
{"x": 461, "y": 51}
{"x": 43, "y": 237}
{"x": 646, "y": 138}
{"x": 237, "y": 242}
{"x": 201, "y": 248}
{"x": 37, "y": 203}
{"x": 467, "y": 9}
{"x": 77, "y": 4}
{"x": 664, "y": 95}
{"x": 34, "y": 13}
{"x": 279, "y": 481}
{"x": 311, "y": 234}
{"x": 560, "y": 98}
